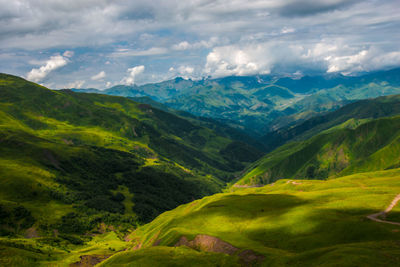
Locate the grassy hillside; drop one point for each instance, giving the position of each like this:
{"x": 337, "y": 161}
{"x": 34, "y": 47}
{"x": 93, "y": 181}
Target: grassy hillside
{"x": 290, "y": 223}
{"x": 364, "y": 109}
{"x": 352, "y": 147}
{"x": 71, "y": 161}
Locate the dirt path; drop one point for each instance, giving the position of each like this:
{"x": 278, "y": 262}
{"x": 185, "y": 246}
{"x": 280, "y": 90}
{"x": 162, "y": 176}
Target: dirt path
{"x": 375, "y": 216}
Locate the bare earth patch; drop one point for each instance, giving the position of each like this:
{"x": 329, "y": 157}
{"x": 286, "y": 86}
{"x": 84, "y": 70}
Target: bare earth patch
{"x": 89, "y": 260}
{"x": 31, "y": 233}
{"x": 214, "y": 244}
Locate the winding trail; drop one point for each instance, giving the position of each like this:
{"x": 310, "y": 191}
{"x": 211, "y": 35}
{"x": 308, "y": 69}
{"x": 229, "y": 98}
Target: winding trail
{"x": 375, "y": 216}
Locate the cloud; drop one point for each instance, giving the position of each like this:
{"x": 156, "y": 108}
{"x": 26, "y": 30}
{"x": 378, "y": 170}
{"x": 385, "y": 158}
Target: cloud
{"x": 182, "y": 46}
{"x": 132, "y": 74}
{"x": 140, "y": 53}
{"x": 232, "y": 60}
{"x": 310, "y": 7}
{"x": 287, "y": 30}
{"x": 260, "y": 36}
{"x": 53, "y": 63}
{"x": 76, "y": 84}
{"x": 185, "y": 45}
{"x": 99, "y": 76}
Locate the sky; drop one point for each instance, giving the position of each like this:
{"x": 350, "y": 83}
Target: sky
{"x": 102, "y": 43}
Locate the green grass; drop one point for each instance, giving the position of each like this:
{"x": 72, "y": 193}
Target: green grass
{"x": 305, "y": 223}
{"x": 352, "y": 147}
{"x": 51, "y": 251}
{"x": 168, "y": 256}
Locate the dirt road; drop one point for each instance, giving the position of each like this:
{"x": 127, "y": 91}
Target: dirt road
{"x": 375, "y": 216}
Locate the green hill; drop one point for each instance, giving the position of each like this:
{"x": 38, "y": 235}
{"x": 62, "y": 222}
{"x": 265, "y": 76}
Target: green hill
{"x": 70, "y": 161}
{"x": 364, "y": 109}
{"x": 357, "y": 145}
{"x": 292, "y": 223}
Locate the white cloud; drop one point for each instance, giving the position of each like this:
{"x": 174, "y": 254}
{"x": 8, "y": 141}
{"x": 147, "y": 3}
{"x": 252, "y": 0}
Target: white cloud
{"x": 132, "y": 74}
{"x": 350, "y": 63}
{"x": 185, "y": 70}
{"x": 182, "y": 46}
{"x": 99, "y": 76}
{"x": 185, "y": 45}
{"x": 53, "y": 63}
{"x": 108, "y": 84}
{"x": 287, "y": 30}
{"x": 232, "y": 60}
{"x": 76, "y": 84}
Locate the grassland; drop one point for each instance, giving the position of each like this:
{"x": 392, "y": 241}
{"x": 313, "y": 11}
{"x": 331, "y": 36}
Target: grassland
{"x": 289, "y": 223}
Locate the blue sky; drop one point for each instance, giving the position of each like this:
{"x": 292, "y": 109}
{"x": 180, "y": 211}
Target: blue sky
{"x": 101, "y": 43}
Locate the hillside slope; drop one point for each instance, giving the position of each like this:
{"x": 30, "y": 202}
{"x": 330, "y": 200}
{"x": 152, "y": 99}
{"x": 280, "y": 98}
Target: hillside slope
{"x": 364, "y": 109}
{"x": 292, "y": 223}
{"x": 71, "y": 161}
{"x": 351, "y": 147}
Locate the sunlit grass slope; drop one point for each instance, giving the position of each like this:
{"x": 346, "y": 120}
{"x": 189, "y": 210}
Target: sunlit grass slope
{"x": 351, "y": 147}
{"x": 289, "y": 223}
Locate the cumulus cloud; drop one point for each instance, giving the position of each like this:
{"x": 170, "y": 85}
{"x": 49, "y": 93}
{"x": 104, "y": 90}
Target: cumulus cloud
{"x": 53, "y": 63}
{"x": 185, "y": 45}
{"x": 231, "y": 60}
{"x": 132, "y": 74}
{"x": 76, "y": 84}
{"x": 99, "y": 76}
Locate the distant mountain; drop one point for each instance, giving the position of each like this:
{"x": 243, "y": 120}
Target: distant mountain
{"x": 83, "y": 159}
{"x": 260, "y": 104}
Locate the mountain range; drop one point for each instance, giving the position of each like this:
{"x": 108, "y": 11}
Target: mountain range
{"x": 263, "y": 103}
